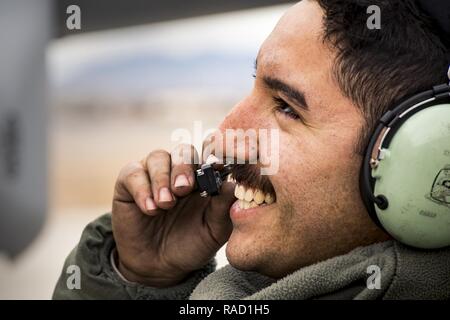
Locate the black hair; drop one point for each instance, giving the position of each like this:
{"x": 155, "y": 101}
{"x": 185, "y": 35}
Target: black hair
{"x": 378, "y": 68}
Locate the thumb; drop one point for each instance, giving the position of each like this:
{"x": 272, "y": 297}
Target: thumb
{"x": 218, "y": 211}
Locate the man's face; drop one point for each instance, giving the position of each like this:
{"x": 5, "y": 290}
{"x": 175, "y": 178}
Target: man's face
{"x": 318, "y": 212}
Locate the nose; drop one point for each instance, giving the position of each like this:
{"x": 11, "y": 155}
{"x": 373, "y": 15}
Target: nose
{"x": 242, "y": 116}
{"x": 239, "y": 132}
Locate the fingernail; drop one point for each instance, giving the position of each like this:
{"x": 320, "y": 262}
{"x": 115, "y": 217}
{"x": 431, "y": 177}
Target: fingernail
{"x": 165, "y": 195}
{"x": 150, "y": 204}
{"x": 181, "y": 181}
{"x": 212, "y": 159}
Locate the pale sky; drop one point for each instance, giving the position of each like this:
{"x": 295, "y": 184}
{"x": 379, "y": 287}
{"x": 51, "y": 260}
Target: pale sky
{"x": 242, "y": 31}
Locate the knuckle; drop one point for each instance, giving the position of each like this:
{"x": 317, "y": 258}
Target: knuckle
{"x": 130, "y": 168}
{"x": 134, "y": 173}
{"x": 160, "y": 180}
{"x": 159, "y": 153}
{"x": 140, "y": 194}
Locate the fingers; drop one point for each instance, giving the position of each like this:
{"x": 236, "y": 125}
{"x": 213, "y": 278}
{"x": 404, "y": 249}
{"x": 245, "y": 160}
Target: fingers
{"x": 220, "y": 205}
{"x": 133, "y": 185}
{"x": 158, "y": 165}
{"x": 155, "y": 182}
{"x": 218, "y": 215}
{"x": 184, "y": 163}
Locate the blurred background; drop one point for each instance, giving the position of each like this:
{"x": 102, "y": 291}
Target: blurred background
{"x": 78, "y": 104}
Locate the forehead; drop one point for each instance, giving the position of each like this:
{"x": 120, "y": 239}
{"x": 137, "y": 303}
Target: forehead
{"x": 295, "y": 49}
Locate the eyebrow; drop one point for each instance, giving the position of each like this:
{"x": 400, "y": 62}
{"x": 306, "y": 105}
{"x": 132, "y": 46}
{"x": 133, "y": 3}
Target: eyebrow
{"x": 278, "y": 85}
{"x": 292, "y": 93}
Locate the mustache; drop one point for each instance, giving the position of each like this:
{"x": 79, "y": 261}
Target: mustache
{"x": 249, "y": 175}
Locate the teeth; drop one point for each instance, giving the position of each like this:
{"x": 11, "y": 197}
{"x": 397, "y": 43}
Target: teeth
{"x": 236, "y": 191}
{"x": 251, "y": 198}
{"x": 269, "y": 199}
{"x": 239, "y": 192}
{"x": 248, "y": 195}
{"x": 259, "y": 197}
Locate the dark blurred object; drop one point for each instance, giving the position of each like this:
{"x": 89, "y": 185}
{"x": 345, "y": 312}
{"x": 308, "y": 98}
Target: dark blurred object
{"x": 439, "y": 10}
{"x": 107, "y": 14}
{"x": 25, "y": 30}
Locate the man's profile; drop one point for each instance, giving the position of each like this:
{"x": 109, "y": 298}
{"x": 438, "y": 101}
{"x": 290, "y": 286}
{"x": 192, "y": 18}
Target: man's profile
{"x": 322, "y": 80}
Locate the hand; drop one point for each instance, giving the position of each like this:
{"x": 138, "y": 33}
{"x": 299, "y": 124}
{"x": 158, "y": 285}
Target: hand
{"x": 163, "y": 229}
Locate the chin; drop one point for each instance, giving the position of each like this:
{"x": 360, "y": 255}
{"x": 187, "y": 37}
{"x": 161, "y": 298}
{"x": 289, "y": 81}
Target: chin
{"x": 242, "y": 252}
{"x": 256, "y": 252}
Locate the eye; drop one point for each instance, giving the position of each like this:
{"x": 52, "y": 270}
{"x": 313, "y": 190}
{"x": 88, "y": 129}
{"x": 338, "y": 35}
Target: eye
{"x": 284, "y": 108}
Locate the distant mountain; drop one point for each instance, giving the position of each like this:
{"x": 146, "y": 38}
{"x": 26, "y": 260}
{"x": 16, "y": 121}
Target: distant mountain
{"x": 150, "y": 73}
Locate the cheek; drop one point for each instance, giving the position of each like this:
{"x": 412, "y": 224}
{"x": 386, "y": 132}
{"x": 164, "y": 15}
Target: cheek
{"x": 294, "y": 170}
{"x": 314, "y": 175}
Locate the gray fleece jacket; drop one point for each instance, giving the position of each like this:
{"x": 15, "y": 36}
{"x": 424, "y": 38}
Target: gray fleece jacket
{"x": 392, "y": 270}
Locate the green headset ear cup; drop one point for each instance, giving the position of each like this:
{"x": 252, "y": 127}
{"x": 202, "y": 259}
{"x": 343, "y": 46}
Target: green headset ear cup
{"x": 414, "y": 175}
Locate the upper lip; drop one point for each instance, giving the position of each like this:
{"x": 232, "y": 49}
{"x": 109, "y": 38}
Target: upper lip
{"x": 249, "y": 176}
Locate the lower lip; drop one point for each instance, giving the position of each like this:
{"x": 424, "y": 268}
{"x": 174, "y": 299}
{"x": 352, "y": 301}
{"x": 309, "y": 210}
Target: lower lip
{"x": 237, "y": 213}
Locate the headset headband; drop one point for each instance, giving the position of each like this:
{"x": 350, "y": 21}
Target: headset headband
{"x": 386, "y": 128}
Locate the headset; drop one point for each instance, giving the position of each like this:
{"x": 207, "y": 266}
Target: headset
{"x": 405, "y": 174}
